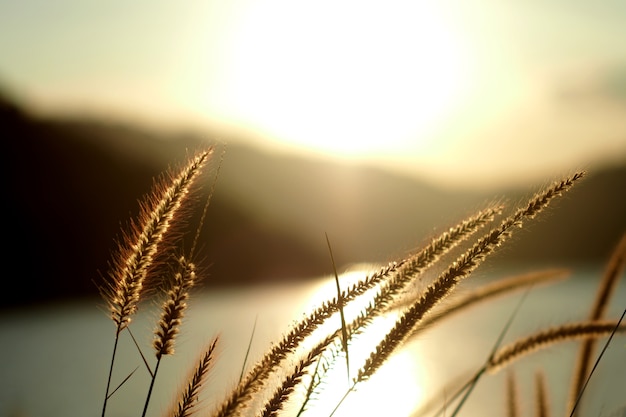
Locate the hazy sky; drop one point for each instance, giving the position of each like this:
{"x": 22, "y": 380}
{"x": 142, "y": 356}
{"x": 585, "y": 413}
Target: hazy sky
{"x": 473, "y": 91}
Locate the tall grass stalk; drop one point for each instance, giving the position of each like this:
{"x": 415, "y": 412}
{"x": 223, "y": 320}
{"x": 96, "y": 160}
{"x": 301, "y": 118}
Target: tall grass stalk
{"x": 301, "y": 360}
{"x": 135, "y": 257}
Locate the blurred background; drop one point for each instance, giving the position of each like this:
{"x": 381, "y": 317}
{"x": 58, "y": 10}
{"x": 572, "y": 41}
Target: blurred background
{"x": 380, "y": 124}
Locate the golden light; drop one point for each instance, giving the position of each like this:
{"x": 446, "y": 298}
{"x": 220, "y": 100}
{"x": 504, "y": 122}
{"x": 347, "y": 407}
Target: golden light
{"x": 398, "y": 384}
{"x": 348, "y": 78}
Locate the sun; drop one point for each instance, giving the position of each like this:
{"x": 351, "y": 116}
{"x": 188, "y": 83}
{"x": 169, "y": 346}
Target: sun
{"x": 345, "y": 78}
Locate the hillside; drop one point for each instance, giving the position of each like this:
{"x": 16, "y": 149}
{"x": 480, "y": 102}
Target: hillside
{"x": 73, "y": 182}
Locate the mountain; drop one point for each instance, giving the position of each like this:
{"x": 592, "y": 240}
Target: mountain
{"x": 73, "y": 182}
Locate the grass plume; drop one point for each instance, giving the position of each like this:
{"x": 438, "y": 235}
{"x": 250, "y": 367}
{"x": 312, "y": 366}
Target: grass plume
{"x": 495, "y": 289}
{"x": 294, "y": 369}
{"x": 459, "y": 269}
{"x": 549, "y": 337}
{"x": 174, "y": 307}
{"x": 136, "y": 255}
{"x": 400, "y": 273}
{"x": 188, "y": 399}
{"x": 173, "y": 311}
{"x": 159, "y": 212}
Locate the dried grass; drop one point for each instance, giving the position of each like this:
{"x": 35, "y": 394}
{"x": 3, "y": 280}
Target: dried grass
{"x": 272, "y": 382}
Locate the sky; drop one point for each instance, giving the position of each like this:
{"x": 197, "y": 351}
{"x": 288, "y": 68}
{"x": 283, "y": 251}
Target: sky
{"x": 476, "y": 92}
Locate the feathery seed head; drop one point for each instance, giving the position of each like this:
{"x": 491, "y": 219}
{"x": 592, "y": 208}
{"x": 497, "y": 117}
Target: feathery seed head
{"x": 546, "y": 338}
{"x": 189, "y": 397}
{"x": 447, "y": 281}
{"x": 136, "y": 255}
{"x": 173, "y": 309}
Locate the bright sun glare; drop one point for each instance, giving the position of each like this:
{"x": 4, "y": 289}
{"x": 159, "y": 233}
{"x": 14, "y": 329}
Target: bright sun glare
{"x": 401, "y": 378}
{"x": 346, "y": 78}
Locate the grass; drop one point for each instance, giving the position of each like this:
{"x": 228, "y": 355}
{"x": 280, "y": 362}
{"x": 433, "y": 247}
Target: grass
{"x": 152, "y": 264}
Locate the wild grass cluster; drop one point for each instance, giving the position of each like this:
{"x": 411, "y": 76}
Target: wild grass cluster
{"x": 152, "y": 264}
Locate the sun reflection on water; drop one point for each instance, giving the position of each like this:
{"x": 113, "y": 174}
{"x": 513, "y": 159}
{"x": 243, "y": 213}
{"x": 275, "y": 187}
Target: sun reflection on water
{"x": 395, "y": 389}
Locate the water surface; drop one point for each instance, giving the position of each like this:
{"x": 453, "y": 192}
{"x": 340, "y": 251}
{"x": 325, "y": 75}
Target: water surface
{"x": 55, "y": 359}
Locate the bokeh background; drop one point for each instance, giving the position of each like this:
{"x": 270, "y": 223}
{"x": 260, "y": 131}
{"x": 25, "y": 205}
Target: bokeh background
{"x": 377, "y": 123}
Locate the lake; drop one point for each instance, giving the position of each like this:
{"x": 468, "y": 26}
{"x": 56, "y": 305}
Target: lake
{"x": 55, "y": 359}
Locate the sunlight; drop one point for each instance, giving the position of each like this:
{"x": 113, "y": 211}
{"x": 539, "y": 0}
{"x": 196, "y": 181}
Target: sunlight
{"x": 351, "y": 79}
{"x": 399, "y": 383}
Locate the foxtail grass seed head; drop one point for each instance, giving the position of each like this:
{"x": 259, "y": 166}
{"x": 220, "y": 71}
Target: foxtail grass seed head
{"x": 188, "y": 399}
{"x": 174, "y": 307}
{"x": 260, "y": 373}
{"x": 136, "y": 255}
{"x": 546, "y": 338}
{"x": 269, "y": 385}
{"x": 492, "y": 290}
{"x": 461, "y": 268}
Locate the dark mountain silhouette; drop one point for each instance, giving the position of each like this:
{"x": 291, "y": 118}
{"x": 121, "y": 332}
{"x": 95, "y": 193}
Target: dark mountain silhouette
{"x": 73, "y": 182}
